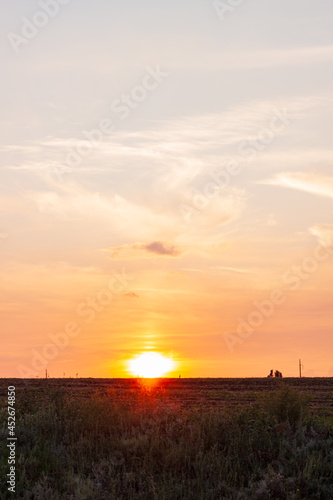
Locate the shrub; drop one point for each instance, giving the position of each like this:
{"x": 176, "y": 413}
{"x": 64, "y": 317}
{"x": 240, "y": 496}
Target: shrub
{"x": 287, "y": 405}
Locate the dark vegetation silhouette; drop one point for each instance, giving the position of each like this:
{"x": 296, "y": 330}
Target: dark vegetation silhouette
{"x": 142, "y": 443}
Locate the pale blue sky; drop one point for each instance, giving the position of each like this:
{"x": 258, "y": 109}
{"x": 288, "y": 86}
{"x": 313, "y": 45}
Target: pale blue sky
{"x": 92, "y": 51}
{"x": 225, "y": 79}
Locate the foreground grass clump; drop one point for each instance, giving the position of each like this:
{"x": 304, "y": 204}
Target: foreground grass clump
{"x": 146, "y": 447}
{"x": 287, "y": 405}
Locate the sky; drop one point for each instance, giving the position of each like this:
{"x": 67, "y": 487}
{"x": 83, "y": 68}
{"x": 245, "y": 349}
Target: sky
{"x": 166, "y": 186}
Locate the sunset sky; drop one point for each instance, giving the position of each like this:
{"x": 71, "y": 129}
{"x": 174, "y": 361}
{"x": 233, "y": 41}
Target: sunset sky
{"x": 166, "y": 186}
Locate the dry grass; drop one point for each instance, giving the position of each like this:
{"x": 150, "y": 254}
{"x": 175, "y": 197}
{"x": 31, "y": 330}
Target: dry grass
{"x": 147, "y": 446}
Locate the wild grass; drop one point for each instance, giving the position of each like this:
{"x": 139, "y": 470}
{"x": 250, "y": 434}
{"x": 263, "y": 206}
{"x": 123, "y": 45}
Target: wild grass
{"x": 148, "y": 448}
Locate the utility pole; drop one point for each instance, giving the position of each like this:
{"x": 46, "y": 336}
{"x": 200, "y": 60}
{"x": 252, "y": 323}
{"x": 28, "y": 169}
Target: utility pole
{"x": 46, "y": 373}
{"x": 300, "y": 368}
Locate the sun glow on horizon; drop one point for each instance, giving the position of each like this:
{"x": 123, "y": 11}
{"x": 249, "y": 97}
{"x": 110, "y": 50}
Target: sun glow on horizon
{"x": 150, "y": 365}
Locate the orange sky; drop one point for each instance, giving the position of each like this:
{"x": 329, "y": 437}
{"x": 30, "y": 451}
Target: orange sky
{"x": 100, "y": 321}
{"x": 167, "y": 186}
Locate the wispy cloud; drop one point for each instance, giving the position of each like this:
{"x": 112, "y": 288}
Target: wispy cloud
{"x": 323, "y": 233}
{"x": 310, "y": 182}
{"x": 131, "y": 295}
{"x": 205, "y": 58}
{"x": 162, "y": 248}
{"x": 140, "y": 250}
{"x": 268, "y": 58}
{"x": 180, "y": 148}
{"x": 233, "y": 269}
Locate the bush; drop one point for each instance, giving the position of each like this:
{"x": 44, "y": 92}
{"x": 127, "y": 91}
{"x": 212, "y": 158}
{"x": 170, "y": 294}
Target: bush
{"x": 287, "y": 405}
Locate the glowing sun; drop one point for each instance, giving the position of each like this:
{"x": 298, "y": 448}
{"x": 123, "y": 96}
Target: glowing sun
{"x": 150, "y": 365}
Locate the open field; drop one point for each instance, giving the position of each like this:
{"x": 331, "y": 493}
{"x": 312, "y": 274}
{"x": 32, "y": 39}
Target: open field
{"x": 82, "y": 439}
{"x": 199, "y": 393}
